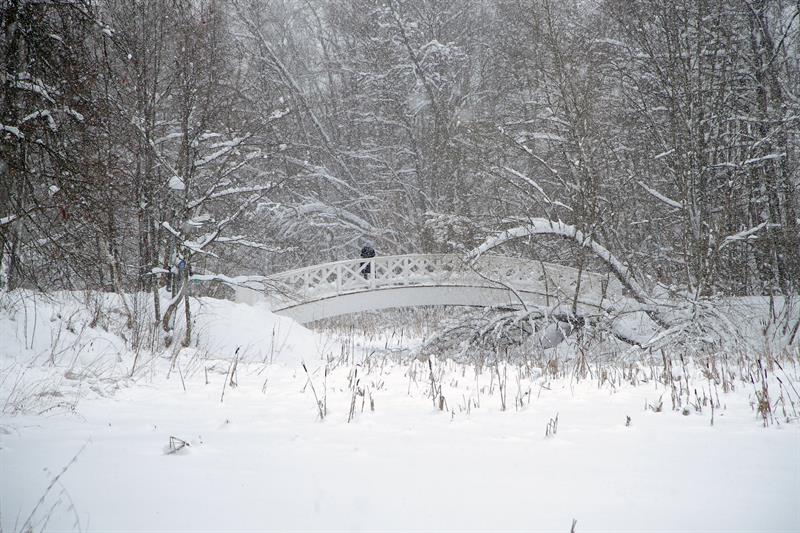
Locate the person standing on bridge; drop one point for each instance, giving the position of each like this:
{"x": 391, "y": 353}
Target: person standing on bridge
{"x": 367, "y": 252}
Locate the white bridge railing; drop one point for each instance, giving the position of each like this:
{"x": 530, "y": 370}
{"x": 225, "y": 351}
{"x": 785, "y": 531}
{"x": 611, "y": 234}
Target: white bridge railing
{"x": 304, "y": 285}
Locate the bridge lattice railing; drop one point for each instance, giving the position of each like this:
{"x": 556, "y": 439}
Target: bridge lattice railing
{"x": 358, "y": 275}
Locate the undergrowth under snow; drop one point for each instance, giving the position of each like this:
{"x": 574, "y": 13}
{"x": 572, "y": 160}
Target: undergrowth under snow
{"x": 339, "y": 431}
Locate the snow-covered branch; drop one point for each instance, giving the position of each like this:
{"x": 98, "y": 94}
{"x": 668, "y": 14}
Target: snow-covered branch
{"x": 224, "y": 149}
{"x": 241, "y": 241}
{"x": 236, "y": 280}
{"x": 166, "y": 225}
{"x": 528, "y": 151}
{"x": 669, "y": 201}
{"x": 13, "y": 130}
{"x": 198, "y": 245}
{"x": 536, "y": 186}
{"x": 746, "y": 235}
{"x": 322, "y": 172}
{"x": 26, "y": 82}
{"x": 8, "y": 219}
{"x": 543, "y": 226}
{"x": 343, "y": 215}
{"x": 768, "y": 157}
{"x": 41, "y": 114}
{"x": 213, "y": 194}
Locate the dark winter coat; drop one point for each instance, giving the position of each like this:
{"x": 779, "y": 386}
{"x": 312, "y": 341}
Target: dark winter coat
{"x": 367, "y": 252}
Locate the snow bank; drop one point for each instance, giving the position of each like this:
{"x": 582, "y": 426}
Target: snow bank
{"x": 222, "y": 326}
{"x": 63, "y": 347}
{"x": 81, "y": 329}
{"x": 56, "y": 350}
{"x": 64, "y": 329}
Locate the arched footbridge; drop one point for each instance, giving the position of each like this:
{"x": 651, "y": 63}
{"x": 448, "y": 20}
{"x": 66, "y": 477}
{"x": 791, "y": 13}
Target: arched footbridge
{"x": 351, "y": 286}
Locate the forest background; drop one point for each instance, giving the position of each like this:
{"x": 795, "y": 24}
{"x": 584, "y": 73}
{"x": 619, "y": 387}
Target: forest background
{"x": 143, "y": 141}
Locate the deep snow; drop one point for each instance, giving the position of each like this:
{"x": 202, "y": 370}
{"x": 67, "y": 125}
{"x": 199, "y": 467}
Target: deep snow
{"x": 261, "y": 459}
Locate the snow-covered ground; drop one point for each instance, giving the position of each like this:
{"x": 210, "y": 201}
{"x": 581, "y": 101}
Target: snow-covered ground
{"x": 84, "y": 446}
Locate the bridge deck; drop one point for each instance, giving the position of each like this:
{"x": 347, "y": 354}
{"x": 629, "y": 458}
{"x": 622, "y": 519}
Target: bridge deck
{"x": 348, "y": 286}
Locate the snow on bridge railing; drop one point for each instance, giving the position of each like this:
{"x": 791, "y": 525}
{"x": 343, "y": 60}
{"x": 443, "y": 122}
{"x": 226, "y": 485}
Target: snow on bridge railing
{"x": 419, "y": 270}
